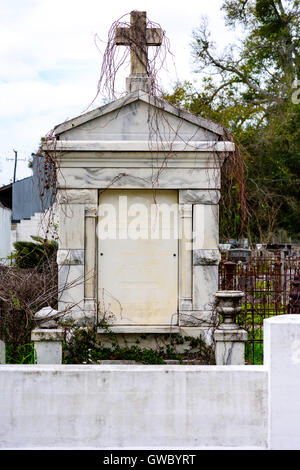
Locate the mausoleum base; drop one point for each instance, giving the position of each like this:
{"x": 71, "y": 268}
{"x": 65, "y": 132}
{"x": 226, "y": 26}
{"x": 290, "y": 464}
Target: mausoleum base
{"x": 154, "y": 336}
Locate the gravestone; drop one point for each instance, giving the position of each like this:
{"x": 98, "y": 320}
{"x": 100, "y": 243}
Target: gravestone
{"x": 239, "y": 254}
{"x": 138, "y": 208}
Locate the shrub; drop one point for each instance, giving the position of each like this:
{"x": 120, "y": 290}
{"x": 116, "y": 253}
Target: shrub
{"x": 22, "y": 293}
{"x": 31, "y": 254}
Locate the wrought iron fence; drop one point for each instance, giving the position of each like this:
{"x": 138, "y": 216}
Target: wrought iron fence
{"x": 271, "y": 284}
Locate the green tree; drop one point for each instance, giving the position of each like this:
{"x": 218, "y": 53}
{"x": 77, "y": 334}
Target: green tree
{"x": 251, "y": 94}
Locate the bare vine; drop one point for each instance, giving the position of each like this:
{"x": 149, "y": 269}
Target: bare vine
{"x": 162, "y": 133}
{"x": 114, "y": 58}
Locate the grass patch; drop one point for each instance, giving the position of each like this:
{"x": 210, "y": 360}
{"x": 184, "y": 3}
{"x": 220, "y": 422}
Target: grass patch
{"x": 20, "y": 353}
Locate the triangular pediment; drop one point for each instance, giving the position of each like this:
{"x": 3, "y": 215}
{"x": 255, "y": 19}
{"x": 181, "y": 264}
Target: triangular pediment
{"x": 139, "y": 117}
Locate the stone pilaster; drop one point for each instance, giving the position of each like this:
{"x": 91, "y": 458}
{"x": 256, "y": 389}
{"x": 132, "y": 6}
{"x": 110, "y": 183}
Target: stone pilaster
{"x": 205, "y": 255}
{"x": 76, "y": 256}
{"x": 90, "y": 295}
{"x": 185, "y": 257}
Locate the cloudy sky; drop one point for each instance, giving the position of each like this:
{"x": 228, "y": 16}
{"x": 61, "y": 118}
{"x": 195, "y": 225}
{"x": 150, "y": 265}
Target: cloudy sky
{"x": 50, "y": 64}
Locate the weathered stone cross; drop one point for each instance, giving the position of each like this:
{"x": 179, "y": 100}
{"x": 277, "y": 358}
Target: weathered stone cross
{"x": 138, "y": 37}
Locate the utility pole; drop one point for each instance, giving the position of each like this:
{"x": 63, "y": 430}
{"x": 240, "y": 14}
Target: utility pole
{"x": 15, "y": 168}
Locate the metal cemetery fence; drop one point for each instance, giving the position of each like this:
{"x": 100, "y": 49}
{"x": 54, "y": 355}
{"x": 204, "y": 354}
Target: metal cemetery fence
{"x": 271, "y": 284}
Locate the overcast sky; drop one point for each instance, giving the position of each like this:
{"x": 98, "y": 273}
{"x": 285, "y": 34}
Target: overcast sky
{"x": 50, "y": 64}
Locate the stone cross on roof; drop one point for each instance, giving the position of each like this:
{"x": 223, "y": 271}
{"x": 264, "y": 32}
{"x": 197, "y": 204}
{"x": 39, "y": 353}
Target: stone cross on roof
{"x": 138, "y": 37}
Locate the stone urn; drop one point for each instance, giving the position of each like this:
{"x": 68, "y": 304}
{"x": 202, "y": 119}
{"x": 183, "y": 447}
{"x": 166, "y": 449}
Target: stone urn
{"x": 229, "y": 306}
{"x": 229, "y": 337}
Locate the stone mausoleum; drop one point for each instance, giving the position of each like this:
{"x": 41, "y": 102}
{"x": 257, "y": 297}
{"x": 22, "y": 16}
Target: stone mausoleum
{"x": 138, "y": 192}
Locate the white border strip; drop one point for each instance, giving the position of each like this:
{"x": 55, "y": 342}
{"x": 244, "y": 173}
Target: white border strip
{"x": 137, "y": 145}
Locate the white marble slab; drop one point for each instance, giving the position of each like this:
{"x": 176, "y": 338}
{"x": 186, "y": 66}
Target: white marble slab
{"x": 70, "y": 257}
{"x": 93, "y": 178}
{"x": 71, "y": 287}
{"x": 143, "y": 146}
{"x": 205, "y": 227}
{"x": 71, "y": 226}
{"x": 206, "y": 257}
{"x": 198, "y": 196}
{"x": 147, "y": 159}
{"x": 77, "y": 196}
{"x": 205, "y": 285}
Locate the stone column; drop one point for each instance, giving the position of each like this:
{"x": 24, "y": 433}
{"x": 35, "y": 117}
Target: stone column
{"x": 90, "y": 298}
{"x": 185, "y": 257}
{"x": 229, "y": 337}
{"x": 48, "y": 345}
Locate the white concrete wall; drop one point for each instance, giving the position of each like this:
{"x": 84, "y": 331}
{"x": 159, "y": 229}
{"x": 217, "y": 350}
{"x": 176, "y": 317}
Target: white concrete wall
{"x": 132, "y": 406}
{"x": 163, "y": 407}
{"x": 282, "y": 357}
{"x": 5, "y": 228}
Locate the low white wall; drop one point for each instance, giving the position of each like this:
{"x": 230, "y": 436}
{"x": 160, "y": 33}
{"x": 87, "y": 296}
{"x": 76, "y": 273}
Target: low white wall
{"x": 127, "y": 406}
{"x": 282, "y": 358}
{"x": 133, "y": 406}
